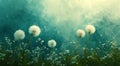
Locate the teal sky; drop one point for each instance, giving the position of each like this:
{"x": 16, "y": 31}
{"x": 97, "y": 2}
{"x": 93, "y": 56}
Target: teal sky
{"x": 59, "y": 19}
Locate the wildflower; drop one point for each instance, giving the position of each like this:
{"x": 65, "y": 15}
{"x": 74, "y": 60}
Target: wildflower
{"x": 67, "y": 51}
{"x": 19, "y": 35}
{"x": 34, "y": 30}
{"x": 90, "y": 29}
{"x": 90, "y": 57}
{"x": 84, "y": 48}
{"x": 52, "y": 43}
{"x": 103, "y": 58}
{"x": 80, "y": 33}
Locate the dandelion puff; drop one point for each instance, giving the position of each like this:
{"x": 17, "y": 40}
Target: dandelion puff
{"x": 90, "y": 29}
{"x": 34, "y": 30}
{"x": 19, "y": 35}
{"x": 80, "y": 33}
{"x": 52, "y": 43}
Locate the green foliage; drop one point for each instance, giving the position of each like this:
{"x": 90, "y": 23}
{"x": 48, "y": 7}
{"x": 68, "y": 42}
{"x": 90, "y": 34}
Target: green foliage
{"x": 34, "y": 57}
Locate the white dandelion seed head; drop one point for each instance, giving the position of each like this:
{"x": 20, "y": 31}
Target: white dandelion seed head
{"x": 52, "y": 43}
{"x": 34, "y": 30}
{"x": 19, "y": 35}
{"x": 90, "y": 29}
{"x": 80, "y": 33}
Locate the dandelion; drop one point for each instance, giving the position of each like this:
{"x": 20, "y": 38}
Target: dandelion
{"x": 80, "y": 33}
{"x": 19, "y": 35}
{"x": 51, "y": 43}
{"x": 34, "y": 30}
{"x": 90, "y": 29}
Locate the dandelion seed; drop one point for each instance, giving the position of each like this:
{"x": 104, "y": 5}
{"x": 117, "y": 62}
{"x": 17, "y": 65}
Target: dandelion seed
{"x": 51, "y": 43}
{"x": 80, "y": 33}
{"x": 19, "y": 35}
{"x": 34, "y": 30}
{"x": 90, "y": 29}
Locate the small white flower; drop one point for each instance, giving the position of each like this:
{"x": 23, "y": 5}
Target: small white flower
{"x": 84, "y": 48}
{"x": 52, "y": 43}
{"x": 67, "y": 51}
{"x": 19, "y": 35}
{"x": 34, "y": 30}
{"x": 80, "y": 33}
{"x": 90, "y": 29}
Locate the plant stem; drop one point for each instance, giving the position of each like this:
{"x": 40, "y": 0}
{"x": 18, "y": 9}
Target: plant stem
{"x": 51, "y": 55}
{"x": 25, "y": 59}
{"x": 87, "y": 42}
{"x": 19, "y": 52}
{"x": 29, "y": 42}
{"x": 25, "y": 53}
{"x": 51, "y": 51}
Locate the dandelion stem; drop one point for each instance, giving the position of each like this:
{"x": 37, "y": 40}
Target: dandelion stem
{"x": 19, "y": 51}
{"x": 50, "y": 51}
{"x": 51, "y": 55}
{"x": 25, "y": 53}
{"x": 29, "y": 42}
{"x": 25, "y": 59}
{"x": 87, "y": 42}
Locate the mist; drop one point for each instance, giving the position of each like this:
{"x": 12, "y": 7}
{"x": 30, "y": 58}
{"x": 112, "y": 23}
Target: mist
{"x": 59, "y": 19}
{"x": 69, "y": 15}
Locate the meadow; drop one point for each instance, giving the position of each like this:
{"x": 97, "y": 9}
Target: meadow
{"x": 19, "y": 53}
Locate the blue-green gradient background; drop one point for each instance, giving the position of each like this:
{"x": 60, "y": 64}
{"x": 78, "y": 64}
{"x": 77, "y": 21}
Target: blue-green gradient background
{"x": 59, "y": 19}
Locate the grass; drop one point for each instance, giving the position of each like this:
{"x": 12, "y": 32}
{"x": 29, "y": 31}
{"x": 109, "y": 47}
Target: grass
{"x": 39, "y": 57}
